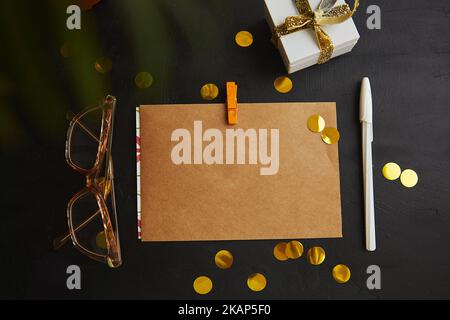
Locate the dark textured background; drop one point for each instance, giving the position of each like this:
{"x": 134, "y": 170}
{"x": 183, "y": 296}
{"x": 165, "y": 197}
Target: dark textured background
{"x": 186, "y": 44}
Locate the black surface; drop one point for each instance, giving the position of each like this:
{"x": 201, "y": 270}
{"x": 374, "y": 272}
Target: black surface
{"x": 186, "y": 44}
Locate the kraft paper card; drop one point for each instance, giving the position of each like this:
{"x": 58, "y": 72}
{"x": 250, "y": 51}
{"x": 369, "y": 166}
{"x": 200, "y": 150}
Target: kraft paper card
{"x": 268, "y": 177}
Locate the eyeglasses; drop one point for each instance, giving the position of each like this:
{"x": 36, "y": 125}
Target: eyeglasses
{"x": 91, "y": 213}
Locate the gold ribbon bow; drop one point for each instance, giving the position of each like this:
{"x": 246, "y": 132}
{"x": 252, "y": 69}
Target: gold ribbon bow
{"x": 327, "y": 13}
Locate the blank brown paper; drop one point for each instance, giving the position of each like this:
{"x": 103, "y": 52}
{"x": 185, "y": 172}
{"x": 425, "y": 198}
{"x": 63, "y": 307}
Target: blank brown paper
{"x": 194, "y": 202}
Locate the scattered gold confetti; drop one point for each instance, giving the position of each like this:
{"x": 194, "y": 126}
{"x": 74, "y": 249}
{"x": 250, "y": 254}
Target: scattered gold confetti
{"x": 256, "y": 282}
{"x": 391, "y": 171}
{"x": 283, "y": 84}
{"x": 316, "y": 123}
{"x": 224, "y": 259}
{"x": 409, "y": 178}
{"x": 244, "y": 39}
{"x": 330, "y": 135}
{"x": 341, "y": 273}
{"x": 316, "y": 256}
{"x": 279, "y": 251}
{"x": 209, "y": 91}
{"x": 100, "y": 240}
{"x": 294, "y": 250}
{"x": 143, "y": 80}
{"x": 103, "y": 65}
{"x": 203, "y": 285}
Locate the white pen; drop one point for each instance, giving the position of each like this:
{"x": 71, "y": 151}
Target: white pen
{"x": 367, "y": 139}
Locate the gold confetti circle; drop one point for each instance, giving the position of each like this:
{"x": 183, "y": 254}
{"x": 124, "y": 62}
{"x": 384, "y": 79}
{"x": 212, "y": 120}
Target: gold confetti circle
{"x": 256, "y": 282}
{"x": 203, "y": 285}
{"x": 224, "y": 259}
{"x": 391, "y": 171}
{"x": 316, "y": 123}
{"x": 209, "y": 91}
{"x": 316, "y": 256}
{"x": 330, "y": 135}
{"x": 100, "y": 240}
{"x": 279, "y": 252}
{"x": 110, "y": 263}
{"x": 103, "y": 65}
{"x": 294, "y": 250}
{"x": 409, "y": 178}
{"x": 283, "y": 84}
{"x": 143, "y": 80}
{"x": 341, "y": 273}
{"x": 244, "y": 39}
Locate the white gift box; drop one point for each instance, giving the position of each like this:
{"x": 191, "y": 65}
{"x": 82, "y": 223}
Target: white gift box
{"x": 300, "y": 49}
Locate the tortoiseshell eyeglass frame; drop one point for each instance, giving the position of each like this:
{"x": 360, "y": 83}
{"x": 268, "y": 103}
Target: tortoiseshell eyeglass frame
{"x": 100, "y": 187}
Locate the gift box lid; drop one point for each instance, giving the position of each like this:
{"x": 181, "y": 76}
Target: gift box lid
{"x": 302, "y": 46}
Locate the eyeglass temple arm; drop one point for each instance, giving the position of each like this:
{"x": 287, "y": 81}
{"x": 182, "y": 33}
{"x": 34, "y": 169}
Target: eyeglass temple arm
{"x": 62, "y": 240}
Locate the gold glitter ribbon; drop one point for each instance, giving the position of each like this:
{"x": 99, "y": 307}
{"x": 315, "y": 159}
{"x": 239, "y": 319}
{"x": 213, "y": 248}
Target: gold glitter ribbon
{"x": 327, "y": 13}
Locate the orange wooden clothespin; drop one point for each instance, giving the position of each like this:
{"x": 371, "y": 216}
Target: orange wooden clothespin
{"x": 232, "y": 102}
